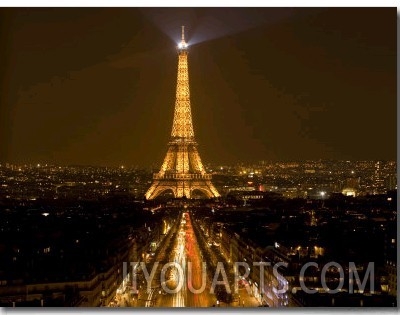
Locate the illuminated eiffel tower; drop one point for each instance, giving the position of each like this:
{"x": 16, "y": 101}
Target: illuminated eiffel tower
{"x": 182, "y": 170}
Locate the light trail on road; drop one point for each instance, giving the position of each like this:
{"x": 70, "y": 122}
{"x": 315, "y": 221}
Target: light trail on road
{"x": 186, "y": 250}
{"x": 198, "y": 279}
{"x": 178, "y": 299}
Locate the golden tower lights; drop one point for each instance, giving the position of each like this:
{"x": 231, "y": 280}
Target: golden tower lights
{"x": 182, "y": 170}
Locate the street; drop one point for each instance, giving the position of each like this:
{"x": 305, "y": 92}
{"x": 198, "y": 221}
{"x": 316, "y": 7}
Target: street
{"x": 180, "y": 278}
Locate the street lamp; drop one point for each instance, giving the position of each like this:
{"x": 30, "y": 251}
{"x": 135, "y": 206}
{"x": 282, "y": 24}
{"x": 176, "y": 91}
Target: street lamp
{"x": 217, "y": 303}
{"x": 103, "y": 297}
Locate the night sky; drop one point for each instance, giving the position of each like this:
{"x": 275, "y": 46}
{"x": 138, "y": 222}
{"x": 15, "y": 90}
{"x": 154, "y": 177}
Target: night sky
{"x": 97, "y": 85}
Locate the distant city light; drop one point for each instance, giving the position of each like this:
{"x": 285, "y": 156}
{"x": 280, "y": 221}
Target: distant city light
{"x": 349, "y": 192}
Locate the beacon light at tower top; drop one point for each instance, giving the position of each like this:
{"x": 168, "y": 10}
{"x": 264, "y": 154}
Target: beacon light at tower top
{"x": 182, "y": 45}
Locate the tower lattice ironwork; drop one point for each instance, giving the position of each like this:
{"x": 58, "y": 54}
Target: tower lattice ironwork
{"x": 182, "y": 170}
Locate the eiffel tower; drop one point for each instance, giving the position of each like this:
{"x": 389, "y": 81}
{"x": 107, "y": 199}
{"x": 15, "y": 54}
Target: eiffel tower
{"x": 182, "y": 170}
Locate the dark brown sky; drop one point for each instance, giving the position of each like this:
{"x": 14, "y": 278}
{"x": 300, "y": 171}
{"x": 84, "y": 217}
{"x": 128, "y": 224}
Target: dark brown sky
{"x": 96, "y": 86}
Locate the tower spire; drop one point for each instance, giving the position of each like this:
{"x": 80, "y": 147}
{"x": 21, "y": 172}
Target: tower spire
{"x": 182, "y": 45}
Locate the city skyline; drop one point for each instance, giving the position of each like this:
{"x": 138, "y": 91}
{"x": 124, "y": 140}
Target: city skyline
{"x": 72, "y": 99}
{"x": 84, "y": 236}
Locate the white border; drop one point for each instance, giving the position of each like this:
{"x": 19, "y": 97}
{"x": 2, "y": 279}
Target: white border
{"x": 204, "y": 3}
